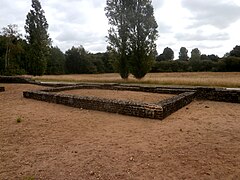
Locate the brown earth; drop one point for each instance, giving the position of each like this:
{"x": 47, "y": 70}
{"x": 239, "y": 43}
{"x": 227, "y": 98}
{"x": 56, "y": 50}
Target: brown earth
{"x": 121, "y": 95}
{"x": 200, "y": 141}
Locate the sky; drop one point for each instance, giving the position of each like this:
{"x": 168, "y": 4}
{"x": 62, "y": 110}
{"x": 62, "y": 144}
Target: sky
{"x": 212, "y": 26}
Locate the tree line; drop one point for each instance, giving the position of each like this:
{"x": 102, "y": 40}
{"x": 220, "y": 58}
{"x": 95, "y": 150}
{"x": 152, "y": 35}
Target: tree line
{"x": 132, "y": 49}
{"x": 197, "y": 61}
{"x": 16, "y": 59}
{"x": 35, "y": 54}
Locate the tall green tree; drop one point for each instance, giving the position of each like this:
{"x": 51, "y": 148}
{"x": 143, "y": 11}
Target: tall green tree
{"x": 161, "y": 57}
{"x": 213, "y": 57}
{"x": 235, "y": 52}
{"x": 142, "y": 37}
{"x": 77, "y": 61}
{"x": 132, "y": 35}
{"x": 183, "y": 54}
{"x": 11, "y": 51}
{"x": 167, "y": 55}
{"x": 195, "y": 60}
{"x": 117, "y": 14}
{"x": 195, "y": 55}
{"x": 55, "y": 61}
{"x": 108, "y": 64}
{"x": 12, "y": 36}
{"x": 37, "y": 36}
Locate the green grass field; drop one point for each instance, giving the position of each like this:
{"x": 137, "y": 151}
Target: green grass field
{"x": 212, "y": 79}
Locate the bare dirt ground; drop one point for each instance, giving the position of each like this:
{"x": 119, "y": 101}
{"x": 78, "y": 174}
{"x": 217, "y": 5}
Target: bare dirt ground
{"x": 200, "y": 141}
{"x": 121, "y": 95}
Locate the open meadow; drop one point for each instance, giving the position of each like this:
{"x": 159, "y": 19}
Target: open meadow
{"x": 40, "y": 140}
{"x": 217, "y": 79}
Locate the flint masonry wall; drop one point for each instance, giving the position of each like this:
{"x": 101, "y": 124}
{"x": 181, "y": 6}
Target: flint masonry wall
{"x": 15, "y": 79}
{"x": 165, "y": 90}
{"x": 145, "y": 110}
{"x": 203, "y": 93}
{"x": 159, "y": 110}
{"x": 176, "y": 102}
{"x": 23, "y": 80}
{"x": 219, "y": 94}
{"x": 152, "y": 111}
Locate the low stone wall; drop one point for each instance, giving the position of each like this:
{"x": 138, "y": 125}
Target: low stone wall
{"x": 2, "y": 89}
{"x": 145, "y": 110}
{"x": 219, "y": 94}
{"x": 163, "y": 90}
{"x": 214, "y": 94}
{"x": 16, "y": 79}
{"x": 24, "y": 80}
{"x": 176, "y": 102}
{"x": 159, "y": 110}
{"x": 53, "y": 84}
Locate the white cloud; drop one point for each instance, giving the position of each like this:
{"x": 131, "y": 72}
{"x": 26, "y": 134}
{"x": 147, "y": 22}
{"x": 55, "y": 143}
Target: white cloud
{"x": 218, "y": 13}
{"x": 200, "y": 36}
{"x": 211, "y": 25}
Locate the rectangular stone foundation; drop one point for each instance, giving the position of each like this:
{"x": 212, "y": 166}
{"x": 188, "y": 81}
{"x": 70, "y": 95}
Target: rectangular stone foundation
{"x": 160, "y": 110}
{"x": 152, "y": 111}
{"x": 145, "y": 110}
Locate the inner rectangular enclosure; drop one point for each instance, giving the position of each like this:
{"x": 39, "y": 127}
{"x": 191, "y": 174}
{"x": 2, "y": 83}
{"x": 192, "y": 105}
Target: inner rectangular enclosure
{"x": 144, "y": 97}
{"x": 146, "y": 102}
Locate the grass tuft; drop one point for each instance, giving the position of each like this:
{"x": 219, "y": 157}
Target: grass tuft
{"x": 19, "y": 120}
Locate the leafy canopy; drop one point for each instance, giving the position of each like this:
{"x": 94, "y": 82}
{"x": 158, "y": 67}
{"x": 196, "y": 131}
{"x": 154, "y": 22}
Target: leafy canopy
{"x": 183, "y": 54}
{"x": 37, "y": 36}
{"x": 132, "y": 35}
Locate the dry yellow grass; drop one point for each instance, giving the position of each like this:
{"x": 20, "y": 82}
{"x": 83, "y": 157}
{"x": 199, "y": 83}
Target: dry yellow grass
{"x": 214, "y": 79}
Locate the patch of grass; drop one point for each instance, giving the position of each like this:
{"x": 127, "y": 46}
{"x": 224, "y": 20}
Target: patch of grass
{"x": 19, "y": 120}
{"x": 29, "y": 178}
{"x": 212, "y": 79}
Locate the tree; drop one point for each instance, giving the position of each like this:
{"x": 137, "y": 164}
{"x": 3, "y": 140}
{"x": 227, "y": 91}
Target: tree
{"x": 12, "y": 51}
{"x": 12, "y": 35}
{"x": 204, "y": 57}
{"x": 226, "y": 55}
{"x": 55, "y": 61}
{"x": 77, "y": 61}
{"x": 195, "y": 55}
{"x": 183, "y": 54}
{"x": 116, "y": 12}
{"x": 132, "y": 35}
{"x": 108, "y": 64}
{"x": 37, "y": 36}
{"x": 167, "y": 55}
{"x": 96, "y": 60}
{"x": 213, "y": 57}
{"x": 235, "y": 52}
{"x": 230, "y": 64}
{"x": 142, "y": 37}
{"x": 161, "y": 57}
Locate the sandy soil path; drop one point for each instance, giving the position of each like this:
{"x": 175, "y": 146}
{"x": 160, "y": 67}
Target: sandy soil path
{"x": 200, "y": 141}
